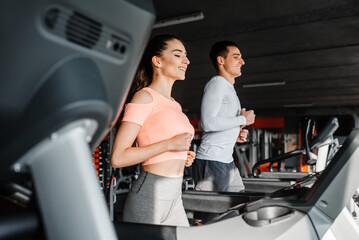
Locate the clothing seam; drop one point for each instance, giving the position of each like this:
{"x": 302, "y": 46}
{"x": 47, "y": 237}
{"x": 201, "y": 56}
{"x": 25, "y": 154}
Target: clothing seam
{"x": 144, "y": 179}
{"x": 170, "y": 210}
{"x": 153, "y": 98}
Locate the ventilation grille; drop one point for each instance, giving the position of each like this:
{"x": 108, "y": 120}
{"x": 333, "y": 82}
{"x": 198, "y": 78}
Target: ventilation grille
{"x": 83, "y": 30}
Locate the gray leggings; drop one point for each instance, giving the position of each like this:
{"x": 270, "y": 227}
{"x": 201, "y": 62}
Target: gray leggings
{"x": 155, "y": 199}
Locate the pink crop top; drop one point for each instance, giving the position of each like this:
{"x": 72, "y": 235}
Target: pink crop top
{"x": 159, "y": 120}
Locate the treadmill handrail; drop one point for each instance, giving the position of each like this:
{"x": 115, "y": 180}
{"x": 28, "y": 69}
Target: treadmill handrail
{"x": 277, "y": 159}
{"x": 322, "y": 136}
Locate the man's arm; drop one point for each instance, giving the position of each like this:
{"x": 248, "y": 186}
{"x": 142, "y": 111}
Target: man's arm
{"x": 211, "y": 104}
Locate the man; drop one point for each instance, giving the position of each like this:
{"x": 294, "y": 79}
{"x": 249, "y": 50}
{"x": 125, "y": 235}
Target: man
{"x": 222, "y": 121}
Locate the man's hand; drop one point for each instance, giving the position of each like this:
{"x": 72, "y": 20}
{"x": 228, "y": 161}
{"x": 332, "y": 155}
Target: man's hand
{"x": 242, "y": 135}
{"x": 249, "y": 115}
{"x": 190, "y": 158}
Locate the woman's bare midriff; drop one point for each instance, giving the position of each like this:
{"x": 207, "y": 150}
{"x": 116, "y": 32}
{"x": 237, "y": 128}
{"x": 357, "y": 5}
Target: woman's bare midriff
{"x": 169, "y": 168}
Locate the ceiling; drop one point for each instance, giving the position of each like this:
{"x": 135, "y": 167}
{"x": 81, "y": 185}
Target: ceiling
{"x": 310, "y": 47}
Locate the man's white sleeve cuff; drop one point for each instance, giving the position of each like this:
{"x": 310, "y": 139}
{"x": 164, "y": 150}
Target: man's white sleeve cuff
{"x": 243, "y": 120}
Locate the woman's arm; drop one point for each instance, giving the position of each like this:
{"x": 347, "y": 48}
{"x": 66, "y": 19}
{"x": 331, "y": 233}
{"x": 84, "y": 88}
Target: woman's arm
{"x": 123, "y": 154}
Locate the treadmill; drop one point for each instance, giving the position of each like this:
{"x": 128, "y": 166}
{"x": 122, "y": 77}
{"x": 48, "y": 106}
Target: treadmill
{"x": 323, "y": 142}
{"x": 299, "y": 211}
{"x": 67, "y": 67}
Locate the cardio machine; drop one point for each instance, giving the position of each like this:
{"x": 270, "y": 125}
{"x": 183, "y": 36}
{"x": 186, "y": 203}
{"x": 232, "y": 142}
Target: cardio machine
{"x": 66, "y": 69}
{"x": 300, "y": 211}
{"x": 325, "y": 146}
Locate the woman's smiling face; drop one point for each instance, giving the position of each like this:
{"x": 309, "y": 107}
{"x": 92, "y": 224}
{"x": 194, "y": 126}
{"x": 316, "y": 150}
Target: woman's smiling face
{"x": 174, "y": 61}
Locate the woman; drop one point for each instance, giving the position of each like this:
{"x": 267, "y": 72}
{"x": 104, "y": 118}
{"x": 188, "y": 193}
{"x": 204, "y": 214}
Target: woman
{"x": 163, "y": 134}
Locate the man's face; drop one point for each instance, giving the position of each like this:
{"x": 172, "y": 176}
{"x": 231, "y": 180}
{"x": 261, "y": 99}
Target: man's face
{"x": 233, "y": 62}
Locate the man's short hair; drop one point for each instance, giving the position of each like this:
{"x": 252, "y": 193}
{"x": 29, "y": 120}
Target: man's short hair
{"x": 220, "y": 49}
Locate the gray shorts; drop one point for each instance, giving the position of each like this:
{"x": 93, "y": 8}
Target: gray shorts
{"x": 216, "y": 176}
{"x": 155, "y": 199}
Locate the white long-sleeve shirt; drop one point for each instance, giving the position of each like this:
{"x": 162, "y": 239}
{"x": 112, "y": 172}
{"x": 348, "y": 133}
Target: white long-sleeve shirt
{"x": 220, "y": 121}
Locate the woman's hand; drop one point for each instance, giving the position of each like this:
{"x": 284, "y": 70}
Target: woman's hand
{"x": 124, "y": 154}
{"x": 190, "y": 158}
{"x": 181, "y": 142}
